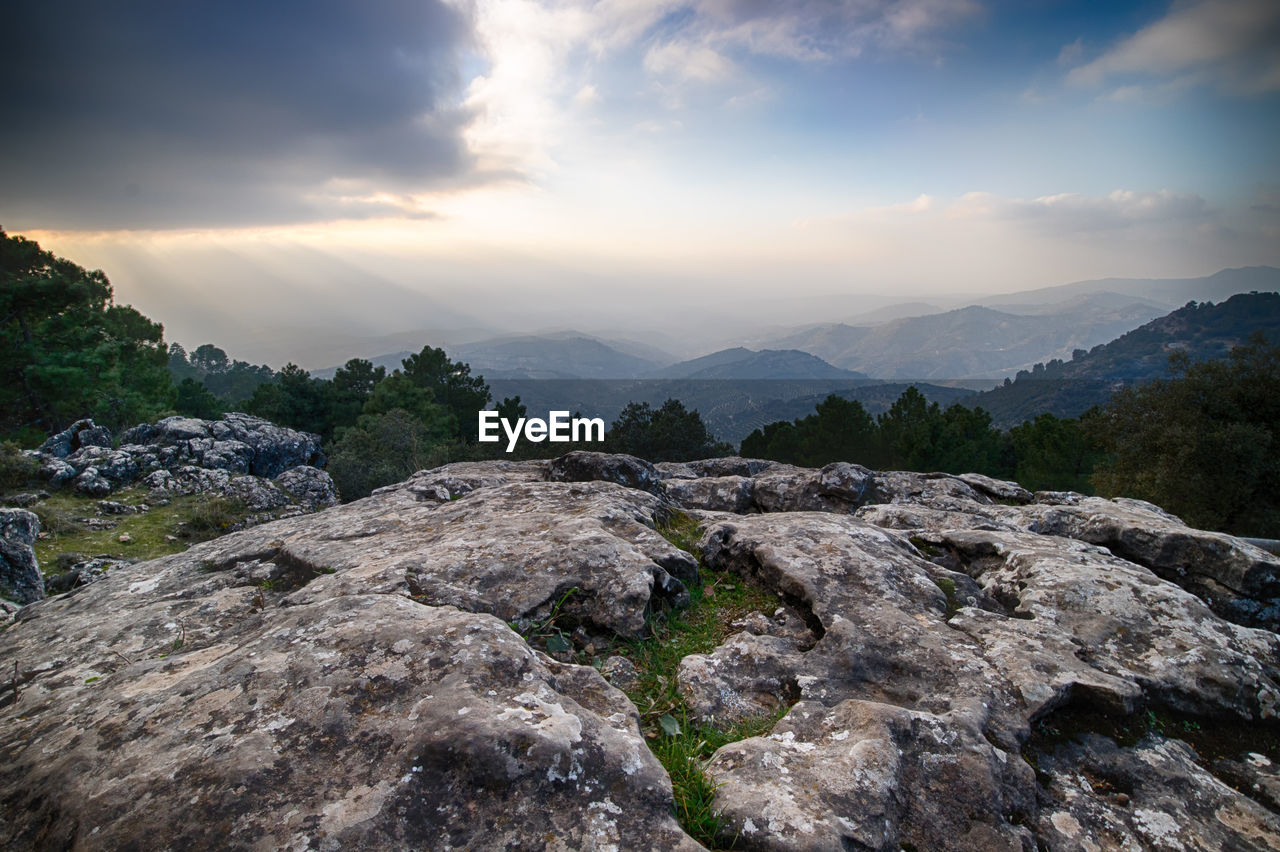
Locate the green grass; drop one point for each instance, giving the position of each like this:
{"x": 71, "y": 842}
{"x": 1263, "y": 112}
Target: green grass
{"x": 948, "y": 587}
{"x": 160, "y": 531}
{"x": 716, "y": 601}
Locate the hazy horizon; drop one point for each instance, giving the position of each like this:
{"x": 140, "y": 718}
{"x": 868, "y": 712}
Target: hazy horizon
{"x": 662, "y": 170}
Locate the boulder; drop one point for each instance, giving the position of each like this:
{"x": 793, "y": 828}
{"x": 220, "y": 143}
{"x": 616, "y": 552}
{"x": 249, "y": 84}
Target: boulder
{"x": 718, "y": 494}
{"x": 20, "y": 579}
{"x": 275, "y": 448}
{"x": 311, "y": 487}
{"x": 116, "y": 466}
{"x": 581, "y": 466}
{"x": 1156, "y": 794}
{"x": 1239, "y": 580}
{"x": 352, "y": 722}
{"x": 90, "y": 483}
{"x": 81, "y": 434}
{"x": 452, "y": 481}
{"x": 238, "y": 444}
{"x": 913, "y": 710}
{"x": 586, "y": 553}
{"x": 838, "y": 487}
{"x": 728, "y": 466}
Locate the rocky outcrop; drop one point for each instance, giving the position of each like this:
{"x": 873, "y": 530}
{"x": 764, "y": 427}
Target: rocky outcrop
{"x": 20, "y": 579}
{"x": 1240, "y": 580}
{"x": 269, "y": 469}
{"x": 237, "y": 443}
{"x": 956, "y": 665}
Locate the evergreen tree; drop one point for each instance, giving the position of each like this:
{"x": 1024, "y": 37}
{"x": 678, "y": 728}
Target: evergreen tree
{"x": 668, "y": 433}
{"x": 68, "y": 351}
{"x": 1204, "y": 444}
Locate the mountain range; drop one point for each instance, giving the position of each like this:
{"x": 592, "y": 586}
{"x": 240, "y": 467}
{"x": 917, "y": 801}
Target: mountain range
{"x": 1067, "y": 388}
{"x": 986, "y": 337}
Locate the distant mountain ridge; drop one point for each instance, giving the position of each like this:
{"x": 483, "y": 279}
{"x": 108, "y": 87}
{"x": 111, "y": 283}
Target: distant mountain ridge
{"x": 741, "y": 363}
{"x": 1066, "y": 388}
{"x": 1170, "y": 292}
{"x": 560, "y": 356}
{"x": 969, "y": 342}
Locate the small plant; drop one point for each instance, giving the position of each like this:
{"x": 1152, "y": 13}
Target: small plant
{"x": 682, "y": 531}
{"x": 55, "y": 521}
{"x": 16, "y": 469}
{"x": 547, "y": 633}
{"x": 681, "y": 744}
{"x": 948, "y": 587}
{"x": 215, "y": 515}
{"x": 928, "y": 549}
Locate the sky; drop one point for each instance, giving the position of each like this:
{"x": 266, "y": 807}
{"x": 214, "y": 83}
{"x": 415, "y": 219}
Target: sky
{"x": 318, "y": 167}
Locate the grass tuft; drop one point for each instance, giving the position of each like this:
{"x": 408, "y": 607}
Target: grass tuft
{"x": 716, "y": 601}
{"x": 160, "y": 531}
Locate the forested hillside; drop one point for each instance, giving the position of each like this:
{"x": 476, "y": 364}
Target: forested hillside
{"x": 1200, "y": 331}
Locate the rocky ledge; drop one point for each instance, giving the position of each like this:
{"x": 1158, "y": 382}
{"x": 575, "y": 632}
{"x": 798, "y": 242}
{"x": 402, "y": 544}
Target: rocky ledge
{"x": 957, "y": 664}
{"x": 238, "y": 456}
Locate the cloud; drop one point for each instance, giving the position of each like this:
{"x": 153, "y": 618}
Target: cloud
{"x": 156, "y": 114}
{"x": 587, "y": 96}
{"x": 688, "y": 61}
{"x": 1075, "y": 213}
{"x": 1071, "y": 53}
{"x": 1234, "y": 44}
{"x": 821, "y": 30}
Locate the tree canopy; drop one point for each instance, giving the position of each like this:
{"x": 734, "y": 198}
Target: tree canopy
{"x": 1204, "y": 444}
{"x": 68, "y": 351}
{"x": 667, "y": 433}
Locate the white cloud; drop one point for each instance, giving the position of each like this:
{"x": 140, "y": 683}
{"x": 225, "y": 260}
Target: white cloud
{"x": 1071, "y": 53}
{"x": 587, "y": 96}
{"x": 1233, "y": 43}
{"x": 1073, "y": 212}
{"x": 809, "y": 30}
{"x": 687, "y": 61}
{"x": 549, "y": 61}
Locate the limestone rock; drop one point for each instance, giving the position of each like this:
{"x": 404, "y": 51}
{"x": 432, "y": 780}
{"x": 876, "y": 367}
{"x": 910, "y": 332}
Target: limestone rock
{"x": 911, "y": 715}
{"x": 727, "y": 466}
{"x": 452, "y": 481}
{"x": 20, "y": 578}
{"x": 718, "y": 494}
{"x": 581, "y": 466}
{"x": 952, "y": 667}
{"x": 1155, "y": 795}
{"x": 838, "y": 487}
{"x": 69, "y": 440}
{"x": 514, "y": 550}
{"x": 237, "y": 443}
{"x": 92, "y": 484}
{"x": 353, "y": 722}
{"x": 1239, "y": 580}
{"x": 620, "y": 672}
{"x": 117, "y": 467}
{"x": 997, "y": 489}
{"x": 310, "y": 486}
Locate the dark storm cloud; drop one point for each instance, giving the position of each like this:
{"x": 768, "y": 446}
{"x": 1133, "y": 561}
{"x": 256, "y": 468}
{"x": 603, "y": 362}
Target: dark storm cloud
{"x": 177, "y": 113}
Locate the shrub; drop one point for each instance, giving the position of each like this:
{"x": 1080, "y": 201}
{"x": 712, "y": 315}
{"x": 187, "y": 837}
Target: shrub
{"x": 16, "y": 470}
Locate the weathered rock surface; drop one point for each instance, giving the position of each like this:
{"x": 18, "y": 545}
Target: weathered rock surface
{"x": 1239, "y": 580}
{"x": 515, "y": 550}
{"x": 346, "y": 679}
{"x": 583, "y": 466}
{"x": 357, "y": 722}
{"x": 238, "y": 444}
{"x": 1154, "y": 795}
{"x": 20, "y": 579}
